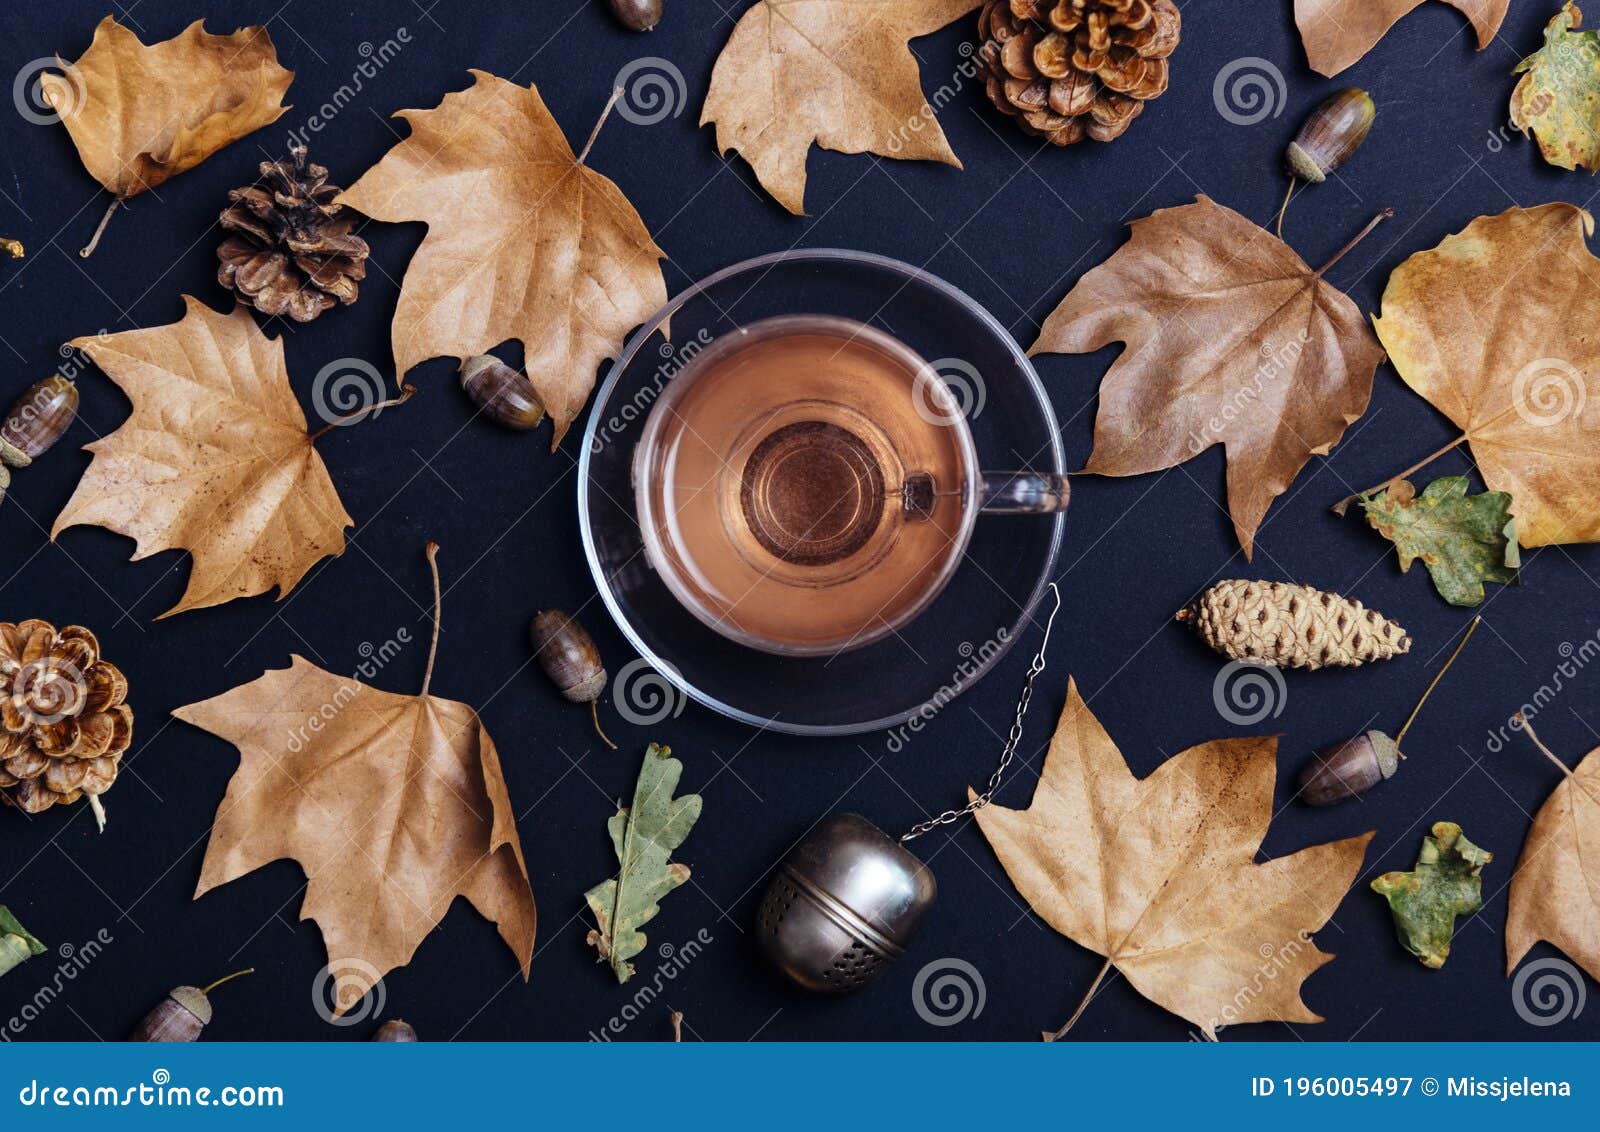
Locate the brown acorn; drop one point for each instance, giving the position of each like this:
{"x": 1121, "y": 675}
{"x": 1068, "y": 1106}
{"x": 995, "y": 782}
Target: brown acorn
{"x": 39, "y": 418}
{"x": 395, "y": 1030}
{"x": 1329, "y": 138}
{"x": 1349, "y": 768}
{"x": 1357, "y": 765}
{"x": 569, "y": 657}
{"x": 1331, "y": 135}
{"x": 181, "y": 1015}
{"x": 505, "y": 396}
{"x": 636, "y": 15}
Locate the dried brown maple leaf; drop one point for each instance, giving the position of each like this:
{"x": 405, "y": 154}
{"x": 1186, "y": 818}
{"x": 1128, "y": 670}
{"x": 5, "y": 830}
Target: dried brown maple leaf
{"x": 524, "y": 241}
{"x": 1336, "y": 33}
{"x": 215, "y": 459}
{"x": 1555, "y": 892}
{"x": 394, "y": 806}
{"x": 796, "y": 72}
{"x": 1159, "y": 875}
{"x": 1232, "y": 339}
{"x": 1494, "y": 327}
{"x": 140, "y": 115}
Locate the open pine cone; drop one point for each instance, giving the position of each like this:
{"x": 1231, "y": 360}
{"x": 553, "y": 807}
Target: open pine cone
{"x": 63, "y": 723}
{"x": 1070, "y": 69}
{"x": 291, "y": 251}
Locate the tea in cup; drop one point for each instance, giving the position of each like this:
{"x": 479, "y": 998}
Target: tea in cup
{"x": 809, "y": 484}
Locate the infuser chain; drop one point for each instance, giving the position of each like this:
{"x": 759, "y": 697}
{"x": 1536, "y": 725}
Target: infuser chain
{"x": 1015, "y": 737}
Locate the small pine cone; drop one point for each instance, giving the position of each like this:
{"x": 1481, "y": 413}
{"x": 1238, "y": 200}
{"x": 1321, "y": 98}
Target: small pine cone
{"x": 1066, "y": 70}
{"x": 290, "y": 250}
{"x": 64, "y": 722}
{"x": 1292, "y": 626}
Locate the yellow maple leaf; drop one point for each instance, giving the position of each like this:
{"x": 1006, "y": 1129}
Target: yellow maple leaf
{"x": 524, "y": 241}
{"x": 1159, "y": 874}
{"x": 215, "y": 459}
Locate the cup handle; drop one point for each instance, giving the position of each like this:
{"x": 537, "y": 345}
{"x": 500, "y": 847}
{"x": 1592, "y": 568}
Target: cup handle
{"x": 1023, "y": 493}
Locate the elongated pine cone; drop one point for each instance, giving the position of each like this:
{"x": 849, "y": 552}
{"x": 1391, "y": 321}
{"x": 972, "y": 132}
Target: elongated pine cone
{"x": 63, "y": 722}
{"x": 1292, "y": 626}
{"x": 290, "y": 250}
{"x": 1070, "y": 69}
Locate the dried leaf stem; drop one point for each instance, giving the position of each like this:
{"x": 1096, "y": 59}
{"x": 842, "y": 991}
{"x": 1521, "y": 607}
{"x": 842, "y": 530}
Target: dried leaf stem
{"x": 94, "y": 241}
{"x": 406, "y": 393}
{"x": 616, "y": 93}
{"x": 1343, "y": 505}
{"x": 1523, "y": 722}
{"x": 1105, "y": 969}
{"x": 594, "y": 711}
{"x": 1284, "y": 207}
{"x": 1434, "y": 683}
{"x": 1386, "y": 214}
{"x": 227, "y": 979}
{"x": 432, "y": 551}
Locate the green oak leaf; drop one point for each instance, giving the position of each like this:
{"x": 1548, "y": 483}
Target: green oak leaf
{"x": 1444, "y": 884}
{"x": 1465, "y": 540}
{"x": 16, "y": 942}
{"x": 1559, "y": 95}
{"x": 644, "y": 836}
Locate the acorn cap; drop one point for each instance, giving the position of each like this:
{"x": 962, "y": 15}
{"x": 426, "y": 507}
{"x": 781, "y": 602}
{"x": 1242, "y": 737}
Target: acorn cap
{"x": 1386, "y": 750}
{"x": 194, "y": 1000}
{"x": 12, "y": 455}
{"x": 1303, "y": 165}
{"x": 471, "y": 367}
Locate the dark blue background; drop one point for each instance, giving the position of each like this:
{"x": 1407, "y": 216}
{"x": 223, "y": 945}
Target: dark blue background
{"x": 1015, "y": 229}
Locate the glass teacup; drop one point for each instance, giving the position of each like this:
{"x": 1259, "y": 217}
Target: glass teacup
{"x": 808, "y": 484}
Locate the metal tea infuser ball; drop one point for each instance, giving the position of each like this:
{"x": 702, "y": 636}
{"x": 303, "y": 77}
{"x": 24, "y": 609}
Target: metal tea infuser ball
{"x": 848, "y": 898}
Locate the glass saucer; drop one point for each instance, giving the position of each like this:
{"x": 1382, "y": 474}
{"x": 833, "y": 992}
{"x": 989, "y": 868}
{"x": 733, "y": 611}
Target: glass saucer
{"x": 980, "y": 613}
